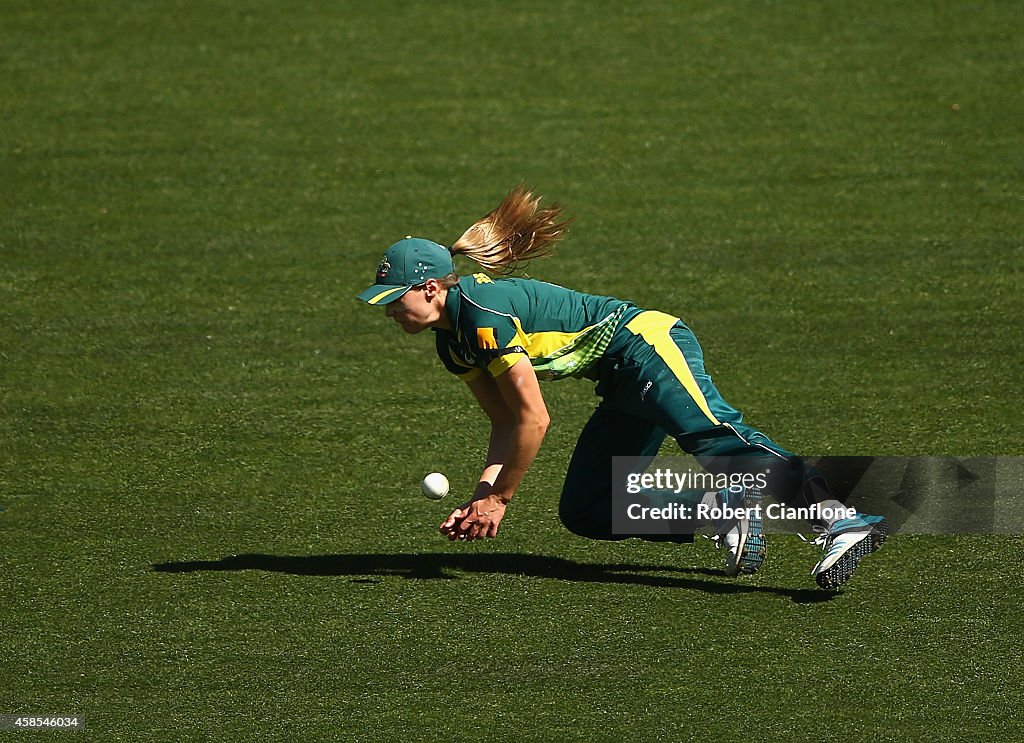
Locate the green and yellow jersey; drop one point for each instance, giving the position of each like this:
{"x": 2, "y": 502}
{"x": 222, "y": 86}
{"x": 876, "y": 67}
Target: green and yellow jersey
{"x": 497, "y": 322}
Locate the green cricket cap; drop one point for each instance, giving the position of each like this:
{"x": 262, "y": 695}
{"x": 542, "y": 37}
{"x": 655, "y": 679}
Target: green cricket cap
{"x": 407, "y": 263}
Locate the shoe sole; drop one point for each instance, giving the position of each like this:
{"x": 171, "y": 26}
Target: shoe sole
{"x": 755, "y": 547}
{"x": 843, "y": 568}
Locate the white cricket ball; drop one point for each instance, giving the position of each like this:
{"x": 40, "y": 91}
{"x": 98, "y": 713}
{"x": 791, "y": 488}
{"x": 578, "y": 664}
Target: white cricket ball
{"x": 435, "y": 486}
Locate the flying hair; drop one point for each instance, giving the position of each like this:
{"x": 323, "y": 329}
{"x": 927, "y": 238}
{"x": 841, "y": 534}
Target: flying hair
{"x": 512, "y": 235}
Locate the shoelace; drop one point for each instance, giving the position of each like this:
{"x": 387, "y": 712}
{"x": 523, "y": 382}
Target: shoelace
{"x": 822, "y": 539}
{"x": 718, "y": 540}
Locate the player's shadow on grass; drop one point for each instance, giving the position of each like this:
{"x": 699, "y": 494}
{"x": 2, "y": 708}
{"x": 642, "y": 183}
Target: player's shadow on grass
{"x": 441, "y": 566}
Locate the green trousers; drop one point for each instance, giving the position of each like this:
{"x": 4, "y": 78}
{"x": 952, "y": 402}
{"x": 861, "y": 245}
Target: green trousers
{"x": 652, "y": 386}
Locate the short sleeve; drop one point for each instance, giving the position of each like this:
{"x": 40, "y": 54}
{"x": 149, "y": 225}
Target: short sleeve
{"x": 497, "y": 338}
{"x": 452, "y": 362}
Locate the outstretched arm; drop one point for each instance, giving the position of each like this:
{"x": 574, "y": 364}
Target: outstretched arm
{"x": 519, "y": 420}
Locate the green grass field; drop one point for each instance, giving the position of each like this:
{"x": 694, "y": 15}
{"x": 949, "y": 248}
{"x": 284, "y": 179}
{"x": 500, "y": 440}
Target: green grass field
{"x": 210, "y": 526}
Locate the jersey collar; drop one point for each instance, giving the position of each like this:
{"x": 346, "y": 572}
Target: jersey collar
{"x": 452, "y": 303}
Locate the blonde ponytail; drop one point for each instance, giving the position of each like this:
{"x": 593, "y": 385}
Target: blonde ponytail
{"x": 512, "y": 235}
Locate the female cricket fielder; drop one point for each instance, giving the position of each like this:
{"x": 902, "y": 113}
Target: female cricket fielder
{"x": 500, "y": 336}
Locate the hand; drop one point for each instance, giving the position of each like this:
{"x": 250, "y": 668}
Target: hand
{"x": 475, "y": 520}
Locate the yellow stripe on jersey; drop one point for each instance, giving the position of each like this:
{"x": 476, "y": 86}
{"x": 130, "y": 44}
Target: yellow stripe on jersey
{"x": 486, "y": 338}
{"x": 653, "y": 327}
{"x": 506, "y": 361}
{"x": 547, "y": 342}
{"x": 539, "y": 345}
{"x": 469, "y": 373}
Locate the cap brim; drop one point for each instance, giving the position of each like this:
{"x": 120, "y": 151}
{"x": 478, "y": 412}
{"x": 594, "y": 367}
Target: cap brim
{"x": 382, "y": 293}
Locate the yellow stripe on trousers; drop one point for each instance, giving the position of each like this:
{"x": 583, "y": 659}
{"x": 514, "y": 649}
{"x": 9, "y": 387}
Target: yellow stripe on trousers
{"x": 653, "y": 327}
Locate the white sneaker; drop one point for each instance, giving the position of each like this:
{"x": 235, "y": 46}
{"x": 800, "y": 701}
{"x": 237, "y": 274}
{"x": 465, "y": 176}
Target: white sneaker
{"x": 845, "y": 544}
{"x": 743, "y": 538}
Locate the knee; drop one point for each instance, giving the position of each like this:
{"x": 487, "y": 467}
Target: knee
{"x": 588, "y": 520}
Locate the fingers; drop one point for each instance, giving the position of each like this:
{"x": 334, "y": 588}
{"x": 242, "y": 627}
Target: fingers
{"x": 469, "y": 522}
{"x": 460, "y": 525}
{"x": 476, "y": 530}
{"x": 449, "y": 522}
{"x": 469, "y": 528}
{"x": 477, "y": 527}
